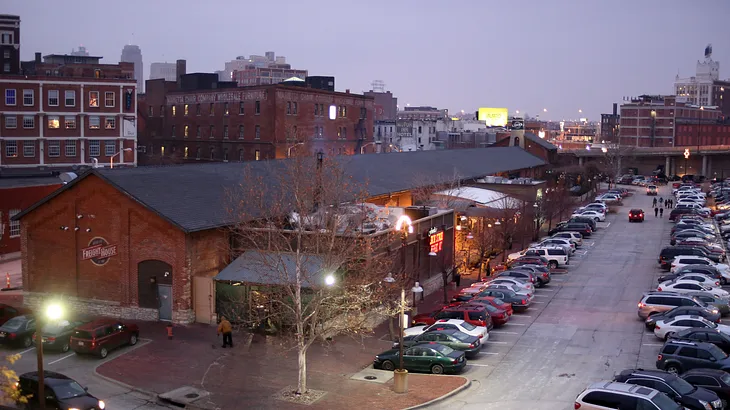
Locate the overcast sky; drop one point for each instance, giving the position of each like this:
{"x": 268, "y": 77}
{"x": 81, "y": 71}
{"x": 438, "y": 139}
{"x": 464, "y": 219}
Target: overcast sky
{"x": 563, "y": 55}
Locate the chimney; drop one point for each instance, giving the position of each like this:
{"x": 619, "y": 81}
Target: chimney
{"x": 38, "y": 58}
{"x": 615, "y": 107}
{"x": 347, "y": 91}
{"x": 180, "y": 70}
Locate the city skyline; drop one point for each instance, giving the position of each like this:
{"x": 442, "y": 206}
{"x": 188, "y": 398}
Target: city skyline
{"x": 463, "y": 58}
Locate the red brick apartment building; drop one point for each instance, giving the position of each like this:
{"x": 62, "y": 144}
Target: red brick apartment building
{"x": 202, "y": 119}
{"x": 60, "y": 111}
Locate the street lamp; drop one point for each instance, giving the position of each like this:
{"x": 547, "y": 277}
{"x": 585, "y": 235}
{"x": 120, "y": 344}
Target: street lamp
{"x": 53, "y": 312}
{"x": 400, "y": 382}
{"x": 288, "y": 151}
{"x": 699, "y": 118}
{"x": 686, "y": 157}
{"x": 416, "y": 289}
{"x": 111, "y": 160}
{"x": 329, "y": 280}
{"x": 362, "y": 149}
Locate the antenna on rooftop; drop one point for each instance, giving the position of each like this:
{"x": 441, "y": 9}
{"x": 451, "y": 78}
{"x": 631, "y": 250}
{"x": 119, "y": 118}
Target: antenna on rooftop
{"x": 378, "y": 86}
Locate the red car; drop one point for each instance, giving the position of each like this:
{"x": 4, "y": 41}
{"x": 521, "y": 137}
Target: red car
{"x": 496, "y": 302}
{"x": 636, "y": 215}
{"x": 102, "y": 336}
{"x": 8, "y": 312}
{"x": 500, "y": 316}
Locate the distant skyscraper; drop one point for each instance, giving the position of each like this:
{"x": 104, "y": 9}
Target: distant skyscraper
{"x": 168, "y": 71}
{"x": 82, "y": 52}
{"x": 133, "y": 54}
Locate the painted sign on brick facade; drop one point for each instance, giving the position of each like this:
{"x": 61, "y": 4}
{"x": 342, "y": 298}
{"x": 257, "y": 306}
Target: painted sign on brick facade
{"x": 99, "y": 251}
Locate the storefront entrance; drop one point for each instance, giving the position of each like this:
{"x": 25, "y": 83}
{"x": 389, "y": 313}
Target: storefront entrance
{"x": 154, "y": 287}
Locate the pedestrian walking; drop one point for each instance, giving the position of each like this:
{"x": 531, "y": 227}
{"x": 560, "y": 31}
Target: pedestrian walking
{"x": 661, "y": 200}
{"x": 661, "y": 212}
{"x": 457, "y": 277}
{"x": 654, "y": 203}
{"x": 226, "y": 329}
{"x": 656, "y": 212}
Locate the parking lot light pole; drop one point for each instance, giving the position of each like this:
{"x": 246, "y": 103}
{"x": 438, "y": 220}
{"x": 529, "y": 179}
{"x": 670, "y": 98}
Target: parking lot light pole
{"x": 53, "y": 312}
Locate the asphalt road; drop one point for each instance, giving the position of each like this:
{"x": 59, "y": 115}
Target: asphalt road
{"x": 582, "y": 328}
{"x": 81, "y": 368}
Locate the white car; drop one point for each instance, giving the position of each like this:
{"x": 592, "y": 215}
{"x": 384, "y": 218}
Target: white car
{"x": 574, "y": 237}
{"x": 514, "y": 288}
{"x": 665, "y": 328}
{"x": 690, "y": 286}
{"x": 471, "y": 330}
{"x": 699, "y": 278}
{"x": 565, "y": 243}
{"x": 682, "y": 260}
{"x": 514, "y": 281}
{"x": 596, "y": 216}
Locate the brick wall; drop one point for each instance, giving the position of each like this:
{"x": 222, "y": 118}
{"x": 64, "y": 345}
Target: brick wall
{"x": 18, "y": 198}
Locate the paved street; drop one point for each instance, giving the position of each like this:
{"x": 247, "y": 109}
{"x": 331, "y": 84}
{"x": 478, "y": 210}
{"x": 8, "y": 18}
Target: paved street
{"x": 583, "y": 327}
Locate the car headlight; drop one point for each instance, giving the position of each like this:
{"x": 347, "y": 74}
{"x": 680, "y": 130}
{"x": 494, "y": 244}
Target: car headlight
{"x": 73, "y": 408}
{"x": 705, "y": 404}
{"x": 102, "y": 405}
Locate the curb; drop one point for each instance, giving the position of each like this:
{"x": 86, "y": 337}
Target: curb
{"x": 443, "y": 397}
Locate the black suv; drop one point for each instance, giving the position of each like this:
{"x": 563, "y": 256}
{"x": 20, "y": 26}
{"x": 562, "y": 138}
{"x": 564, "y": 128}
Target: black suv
{"x": 670, "y": 384}
{"x": 580, "y": 227}
{"x": 584, "y": 220}
{"x": 696, "y": 334}
{"x": 678, "y": 356}
{"x": 62, "y": 392}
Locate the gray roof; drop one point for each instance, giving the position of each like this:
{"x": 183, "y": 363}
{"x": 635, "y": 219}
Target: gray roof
{"x": 28, "y": 182}
{"x": 192, "y": 196}
{"x": 540, "y": 141}
{"x": 274, "y": 268}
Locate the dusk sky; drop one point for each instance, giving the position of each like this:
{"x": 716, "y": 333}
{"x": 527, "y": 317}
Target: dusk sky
{"x": 563, "y": 55}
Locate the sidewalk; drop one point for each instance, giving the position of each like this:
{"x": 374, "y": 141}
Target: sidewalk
{"x": 254, "y": 374}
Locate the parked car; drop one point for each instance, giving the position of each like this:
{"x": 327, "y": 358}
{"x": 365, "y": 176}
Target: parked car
{"x": 696, "y": 277}
{"x": 443, "y": 324}
{"x": 582, "y": 228}
{"x": 708, "y": 335}
{"x": 606, "y": 395}
{"x": 519, "y": 303}
{"x": 688, "y": 286}
{"x": 652, "y": 303}
{"x": 691, "y": 276}
{"x": 668, "y": 254}
{"x": 710, "y": 313}
{"x": 636, "y": 215}
{"x": 673, "y": 386}
{"x": 474, "y": 314}
{"x": 678, "y": 356}
{"x": 57, "y": 335}
{"x": 524, "y": 285}
{"x": 521, "y": 275}
{"x": 8, "y": 312}
{"x": 433, "y": 358}
{"x": 541, "y": 273}
{"x": 574, "y": 237}
{"x": 61, "y": 391}
{"x": 514, "y": 288}
{"x": 452, "y": 338}
{"x": 496, "y": 302}
{"x": 102, "y": 336}
{"x": 18, "y": 331}
{"x": 710, "y": 300}
{"x": 589, "y": 213}
{"x": 711, "y": 379}
{"x": 663, "y": 329}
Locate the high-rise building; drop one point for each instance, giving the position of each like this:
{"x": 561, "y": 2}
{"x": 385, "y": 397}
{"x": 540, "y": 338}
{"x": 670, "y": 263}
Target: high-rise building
{"x": 168, "y": 71}
{"x": 9, "y": 44}
{"x": 610, "y": 125}
{"x": 705, "y": 88}
{"x": 81, "y": 52}
{"x": 133, "y": 54}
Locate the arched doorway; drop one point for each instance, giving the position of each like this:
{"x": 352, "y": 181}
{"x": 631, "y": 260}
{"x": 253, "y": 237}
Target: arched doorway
{"x": 154, "y": 287}
{"x": 517, "y": 142}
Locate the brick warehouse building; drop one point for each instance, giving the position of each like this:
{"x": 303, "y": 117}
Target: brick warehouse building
{"x": 202, "y": 119}
{"x": 146, "y": 242}
{"x": 17, "y": 194}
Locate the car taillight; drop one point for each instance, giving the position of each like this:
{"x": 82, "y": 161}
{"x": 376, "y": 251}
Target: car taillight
{"x": 471, "y": 344}
{"x": 660, "y": 357}
{"x": 641, "y": 305}
{"x": 524, "y": 301}
{"x": 576, "y": 406}
{"x": 544, "y": 274}
{"x": 34, "y": 337}
{"x": 657, "y": 327}
{"x": 51, "y": 339}
{"x": 455, "y": 361}
{"x": 717, "y": 283}
{"x": 659, "y": 289}
{"x": 12, "y": 335}
{"x": 481, "y": 336}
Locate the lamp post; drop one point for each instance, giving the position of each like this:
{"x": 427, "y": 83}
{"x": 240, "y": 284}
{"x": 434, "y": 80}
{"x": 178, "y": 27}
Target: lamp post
{"x": 288, "y": 151}
{"x": 653, "y": 126}
{"x": 699, "y": 119}
{"x": 111, "y": 160}
{"x": 362, "y": 149}
{"x": 400, "y": 376}
{"x": 53, "y": 312}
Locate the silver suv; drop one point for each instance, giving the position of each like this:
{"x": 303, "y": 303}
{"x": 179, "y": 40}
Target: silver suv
{"x": 613, "y": 395}
{"x": 658, "y": 302}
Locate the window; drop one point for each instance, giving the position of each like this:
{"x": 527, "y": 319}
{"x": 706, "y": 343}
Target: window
{"x": 257, "y": 155}
{"x": 94, "y": 148}
{"x": 93, "y": 98}
{"x": 14, "y": 225}
{"x": 174, "y": 110}
{"x": 11, "y": 122}
{"x": 94, "y": 122}
{"x": 212, "y": 108}
{"x": 186, "y": 109}
{"x": 172, "y": 131}
{"x": 28, "y": 122}
{"x": 6, "y": 53}
{"x": 70, "y": 98}
{"x": 150, "y": 111}
{"x": 212, "y": 131}
{"x": 240, "y": 155}
{"x": 316, "y": 110}
{"x": 363, "y": 113}
{"x": 162, "y": 151}
{"x": 29, "y": 149}
{"x": 197, "y": 153}
{"x": 241, "y": 109}
{"x": 53, "y": 98}
{"x": 288, "y": 108}
{"x": 240, "y": 131}
{"x": 110, "y": 148}
{"x": 6, "y": 67}
{"x": 54, "y": 122}
{"x": 343, "y": 111}
{"x": 294, "y": 108}
{"x": 162, "y": 111}
{"x": 54, "y": 149}
{"x": 70, "y": 123}
{"x": 11, "y": 149}
{"x": 257, "y": 135}
{"x": 186, "y": 131}
{"x": 10, "y": 97}
{"x": 185, "y": 152}
{"x": 197, "y": 109}
{"x": 70, "y": 148}
{"x": 225, "y": 131}
{"x": 257, "y": 108}
{"x": 225, "y": 109}
{"x": 225, "y": 155}
{"x": 212, "y": 154}
{"x": 28, "y": 97}
{"x": 197, "y": 131}
{"x": 110, "y": 123}
{"x": 109, "y": 98}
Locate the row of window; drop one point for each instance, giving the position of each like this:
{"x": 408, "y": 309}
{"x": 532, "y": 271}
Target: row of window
{"x": 54, "y": 148}
{"x": 14, "y": 225}
{"x": 199, "y": 153}
{"x": 54, "y": 122}
{"x": 11, "y": 98}
{"x": 211, "y": 131}
{"x": 211, "y": 109}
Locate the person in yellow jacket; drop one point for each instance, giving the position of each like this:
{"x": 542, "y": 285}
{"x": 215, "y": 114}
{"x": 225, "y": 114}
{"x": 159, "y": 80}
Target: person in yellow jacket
{"x": 225, "y": 328}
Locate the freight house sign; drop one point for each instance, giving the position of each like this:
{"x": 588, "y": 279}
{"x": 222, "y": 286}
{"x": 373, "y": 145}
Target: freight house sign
{"x": 99, "y": 251}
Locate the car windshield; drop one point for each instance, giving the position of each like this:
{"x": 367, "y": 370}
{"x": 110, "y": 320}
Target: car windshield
{"x": 498, "y": 301}
{"x": 14, "y": 324}
{"x": 461, "y": 336}
{"x": 716, "y": 352}
{"x": 491, "y": 308}
{"x": 443, "y": 349}
{"x": 662, "y": 401}
{"x": 681, "y": 386}
{"x": 725, "y": 378}
{"x": 66, "y": 390}
{"x": 468, "y": 326}
{"x": 514, "y": 288}
{"x": 55, "y": 328}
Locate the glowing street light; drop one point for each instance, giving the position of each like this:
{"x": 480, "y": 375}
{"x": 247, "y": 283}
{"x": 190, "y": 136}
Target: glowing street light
{"x": 53, "y": 313}
{"x": 604, "y": 150}
{"x": 544, "y": 110}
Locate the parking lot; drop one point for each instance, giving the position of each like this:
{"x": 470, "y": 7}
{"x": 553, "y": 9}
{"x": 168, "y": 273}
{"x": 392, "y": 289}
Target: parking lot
{"x": 582, "y": 327}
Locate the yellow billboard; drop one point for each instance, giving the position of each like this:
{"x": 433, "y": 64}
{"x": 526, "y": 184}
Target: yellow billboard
{"x": 493, "y": 117}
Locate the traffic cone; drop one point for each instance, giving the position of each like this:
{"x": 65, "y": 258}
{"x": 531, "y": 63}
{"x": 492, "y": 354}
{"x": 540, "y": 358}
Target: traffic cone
{"x": 7, "y": 280}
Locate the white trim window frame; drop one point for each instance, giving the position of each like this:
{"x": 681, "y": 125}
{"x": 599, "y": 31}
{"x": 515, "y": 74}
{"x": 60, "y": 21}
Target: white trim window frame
{"x": 94, "y": 122}
{"x": 54, "y": 122}
{"x": 11, "y": 122}
{"x": 29, "y": 149}
{"x": 14, "y": 226}
{"x": 54, "y": 149}
{"x": 94, "y": 148}
{"x": 110, "y": 123}
{"x": 28, "y": 122}
{"x": 11, "y": 96}
{"x": 69, "y": 122}
{"x": 11, "y": 149}
{"x": 110, "y": 148}
{"x": 93, "y": 99}
{"x": 69, "y": 96}
{"x": 69, "y": 148}
{"x": 53, "y": 98}
{"x": 28, "y": 97}
{"x": 109, "y": 99}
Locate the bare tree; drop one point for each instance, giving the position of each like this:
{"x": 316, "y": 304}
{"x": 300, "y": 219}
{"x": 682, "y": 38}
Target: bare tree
{"x": 508, "y": 215}
{"x": 613, "y": 159}
{"x": 302, "y": 229}
{"x": 443, "y": 192}
{"x": 485, "y": 240}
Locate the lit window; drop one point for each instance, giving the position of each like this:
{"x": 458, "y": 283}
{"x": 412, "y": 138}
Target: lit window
{"x": 93, "y": 98}
{"x": 109, "y": 99}
{"x": 185, "y": 153}
{"x": 54, "y": 149}
{"x": 186, "y": 109}
{"x": 257, "y": 155}
{"x": 54, "y": 122}
{"x": 70, "y": 98}
{"x": 94, "y": 122}
{"x": 29, "y": 149}
{"x": 11, "y": 122}
{"x": 110, "y": 148}
{"x": 174, "y": 110}
{"x": 225, "y": 109}
{"x": 10, "y": 97}
{"x": 94, "y": 148}
{"x": 53, "y": 98}
{"x": 70, "y": 146}
{"x": 14, "y": 225}
{"x": 11, "y": 149}
{"x": 70, "y": 123}
{"x": 110, "y": 123}
{"x": 28, "y": 122}
{"x": 28, "y": 97}
{"x": 186, "y": 129}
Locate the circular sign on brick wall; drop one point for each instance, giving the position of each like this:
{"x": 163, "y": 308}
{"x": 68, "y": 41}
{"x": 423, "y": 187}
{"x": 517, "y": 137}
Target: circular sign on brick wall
{"x": 99, "y": 251}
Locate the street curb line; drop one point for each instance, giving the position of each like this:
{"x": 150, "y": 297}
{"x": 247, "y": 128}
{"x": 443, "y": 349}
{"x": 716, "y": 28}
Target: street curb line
{"x": 443, "y": 397}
